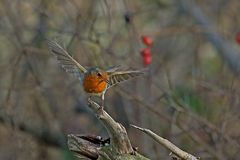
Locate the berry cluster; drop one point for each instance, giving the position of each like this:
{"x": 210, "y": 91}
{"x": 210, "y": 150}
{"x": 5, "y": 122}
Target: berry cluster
{"x": 146, "y": 52}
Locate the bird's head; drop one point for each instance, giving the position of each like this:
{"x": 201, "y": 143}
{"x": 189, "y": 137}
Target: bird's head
{"x": 98, "y": 73}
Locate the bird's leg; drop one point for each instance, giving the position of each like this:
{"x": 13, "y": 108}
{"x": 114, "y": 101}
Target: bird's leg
{"x": 102, "y": 105}
{"x": 89, "y": 98}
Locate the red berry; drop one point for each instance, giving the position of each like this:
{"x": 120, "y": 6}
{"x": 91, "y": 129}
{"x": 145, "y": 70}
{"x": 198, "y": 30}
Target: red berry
{"x": 147, "y": 60}
{"x": 145, "y": 51}
{"x": 237, "y": 38}
{"x": 147, "y": 57}
{"x": 148, "y": 41}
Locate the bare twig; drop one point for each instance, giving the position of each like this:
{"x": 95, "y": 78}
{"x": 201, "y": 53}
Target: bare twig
{"x": 177, "y": 151}
{"x": 184, "y": 127}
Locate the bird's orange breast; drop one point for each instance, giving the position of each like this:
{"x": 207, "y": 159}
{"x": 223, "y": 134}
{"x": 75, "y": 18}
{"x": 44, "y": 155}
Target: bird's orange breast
{"x": 93, "y": 84}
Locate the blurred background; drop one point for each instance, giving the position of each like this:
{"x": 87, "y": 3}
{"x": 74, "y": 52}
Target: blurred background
{"x": 190, "y": 94}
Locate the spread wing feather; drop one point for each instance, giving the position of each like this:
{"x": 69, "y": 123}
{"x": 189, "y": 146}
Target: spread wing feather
{"x": 113, "y": 69}
{"x": 66, "y": 61}
{"x": 118, "y": 77}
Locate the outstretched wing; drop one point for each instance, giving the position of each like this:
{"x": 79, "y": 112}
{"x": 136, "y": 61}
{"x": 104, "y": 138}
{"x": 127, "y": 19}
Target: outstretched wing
{"x": 113, "y": 69}
{"x": 118, "y": 77}
{"x": 67, "y": 62}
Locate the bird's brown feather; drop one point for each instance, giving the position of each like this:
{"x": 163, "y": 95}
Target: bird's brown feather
{"x": 66, "y": 61}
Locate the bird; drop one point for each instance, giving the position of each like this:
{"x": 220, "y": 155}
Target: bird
{"x": 95, "y": 81}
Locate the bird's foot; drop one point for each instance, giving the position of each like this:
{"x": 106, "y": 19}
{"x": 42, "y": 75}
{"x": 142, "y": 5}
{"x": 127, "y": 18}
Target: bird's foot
{"x": 100, "y": 109}
{"x": 89, "y": 98}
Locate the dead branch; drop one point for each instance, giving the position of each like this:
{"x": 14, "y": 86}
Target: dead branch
{"x": 118, "y": 135}
{"x": 82, "y": 147}
{"x": 119, "y": 146}
{"x": 166, "y": 143}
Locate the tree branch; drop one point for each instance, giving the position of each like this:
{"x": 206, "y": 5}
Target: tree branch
{"x": 82, "y": 147}
{"x": 118, "y": 147}
{"x": 166, "y": 143}
{"x": 118, "y": 135}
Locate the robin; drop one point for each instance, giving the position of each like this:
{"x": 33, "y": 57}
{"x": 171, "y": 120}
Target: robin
{"x": 95, "y": 81}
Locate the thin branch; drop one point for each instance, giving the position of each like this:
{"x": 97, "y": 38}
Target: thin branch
{"x": 177, "y": 151}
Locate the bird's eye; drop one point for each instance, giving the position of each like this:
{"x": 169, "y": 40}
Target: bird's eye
{"x": 99, "y": 74}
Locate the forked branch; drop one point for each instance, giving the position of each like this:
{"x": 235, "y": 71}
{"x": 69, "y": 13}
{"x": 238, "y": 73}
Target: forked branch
{"x": 118, "y": 134}
{"x": 118, "y": 148}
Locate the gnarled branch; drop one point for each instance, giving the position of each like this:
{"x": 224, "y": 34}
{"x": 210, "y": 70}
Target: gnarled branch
{"x": 118, "y": 148}
{"x": 118, "y": 134}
